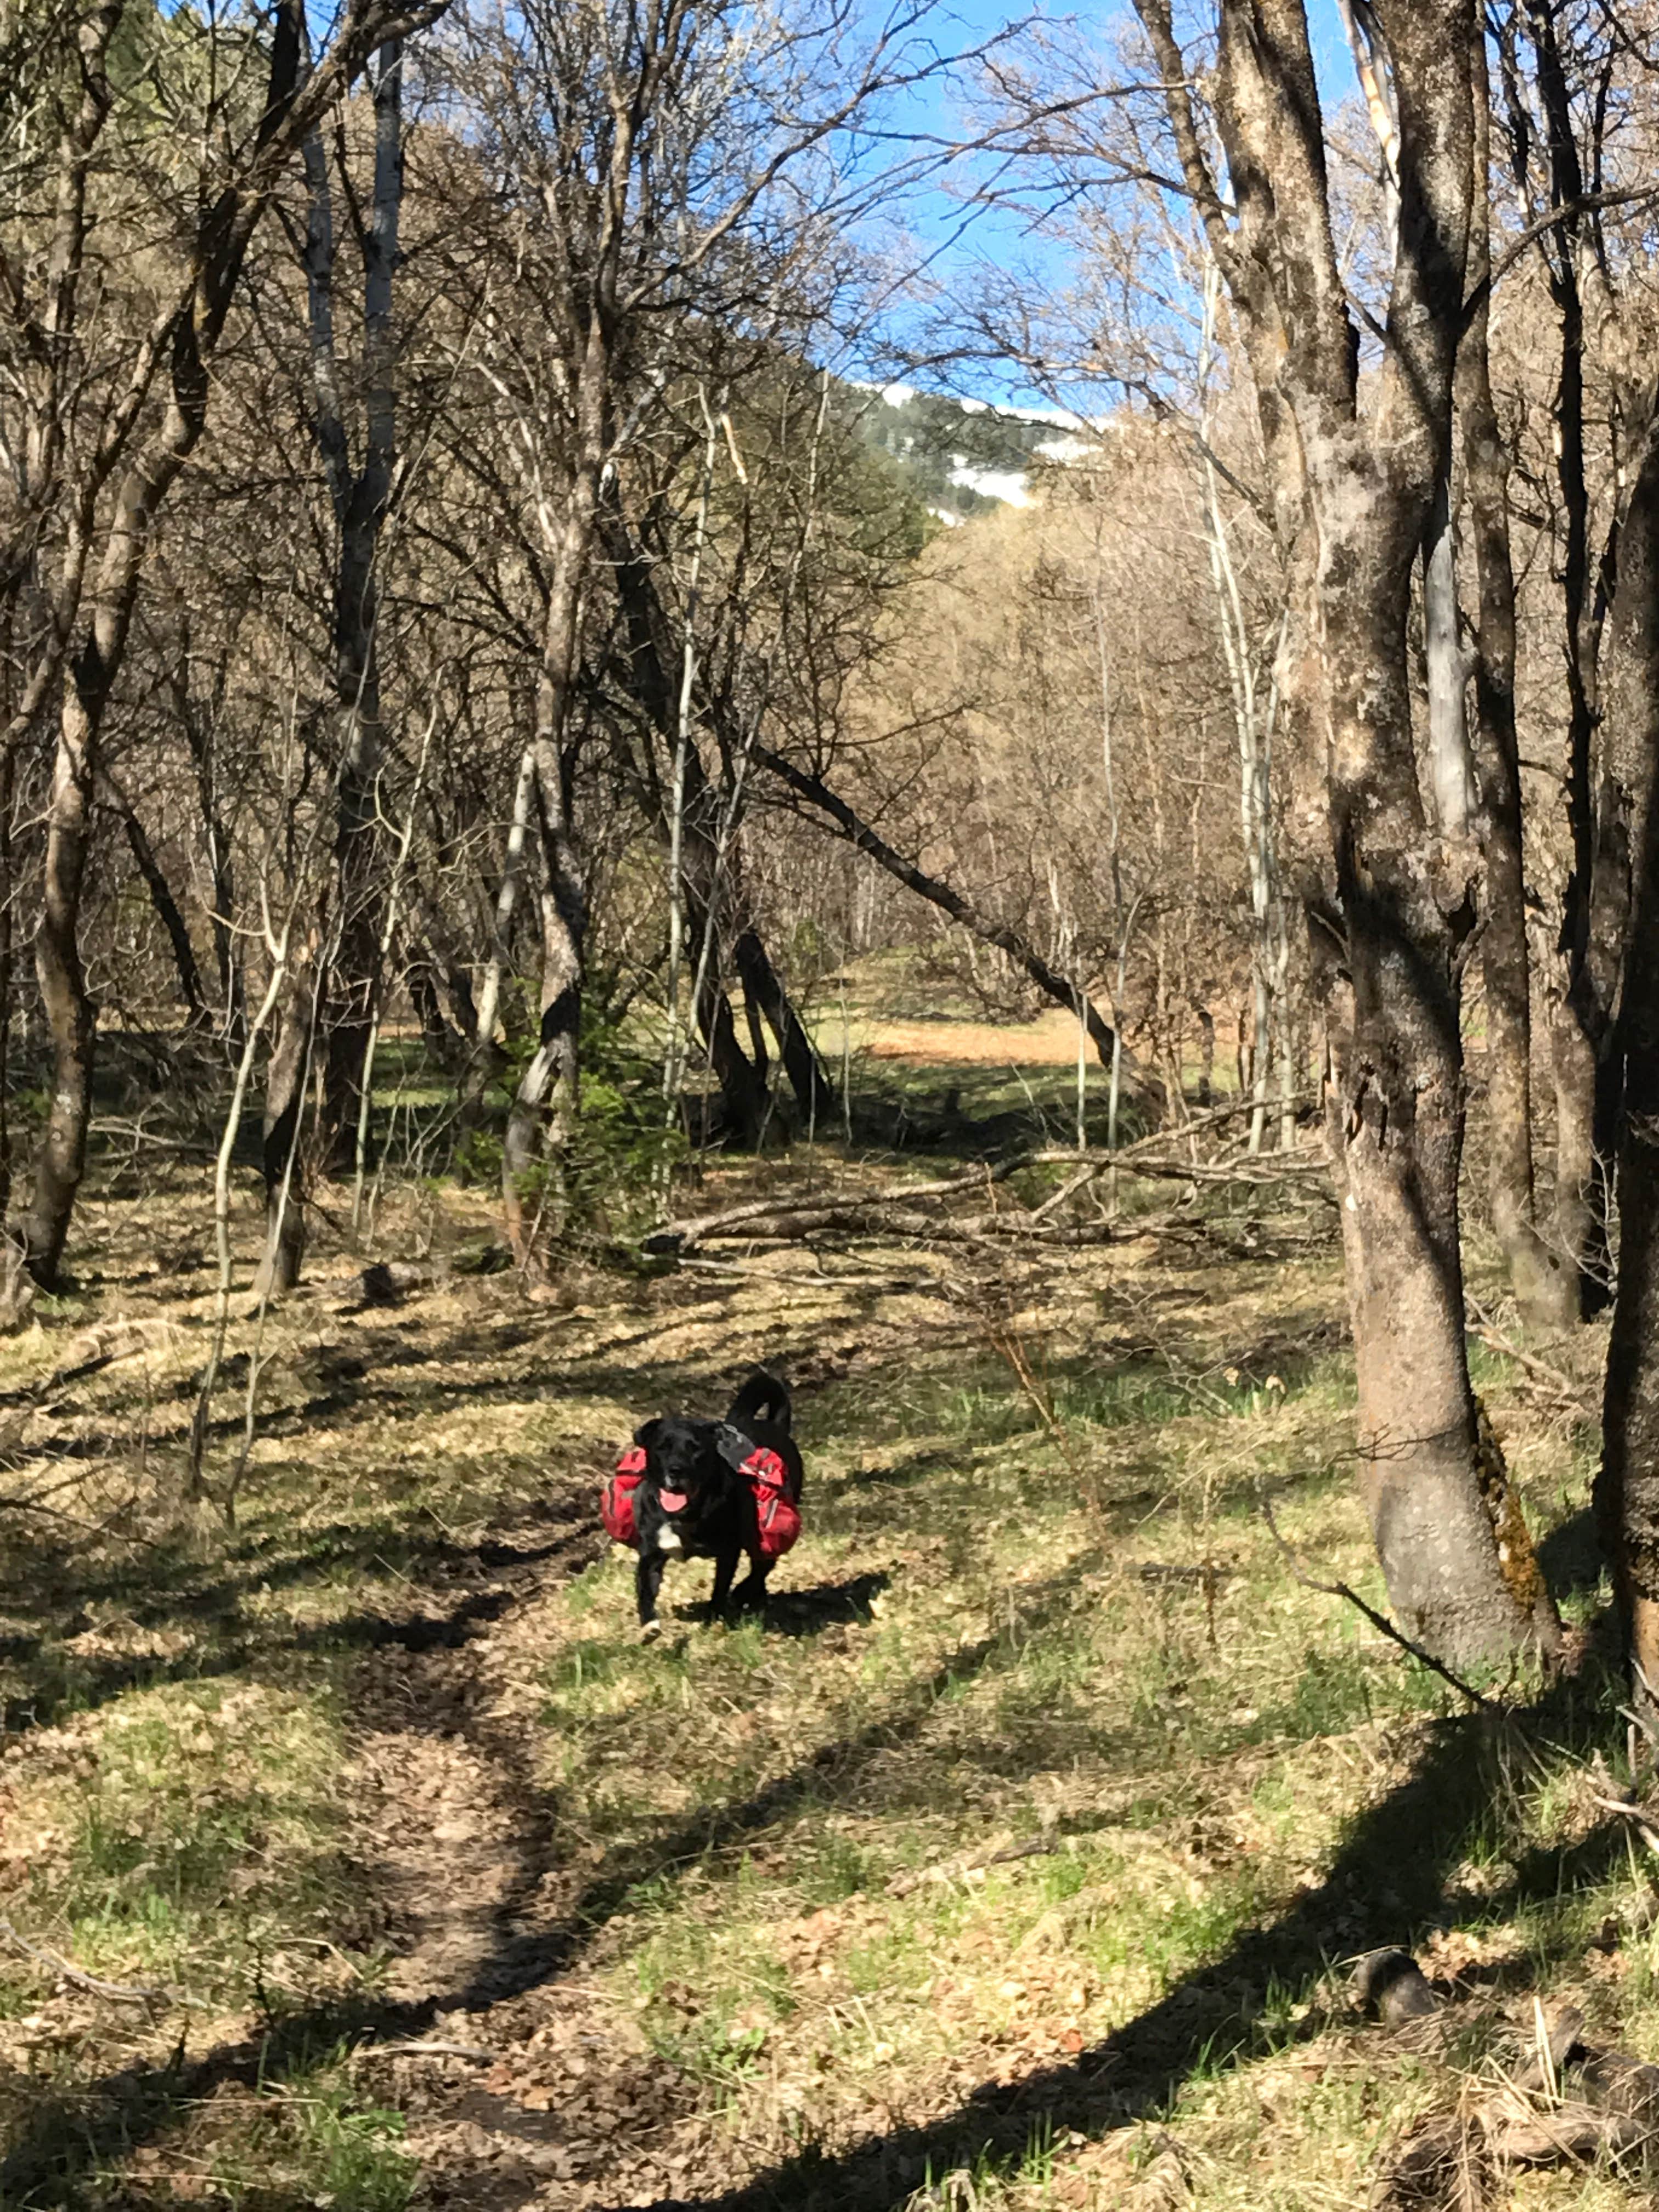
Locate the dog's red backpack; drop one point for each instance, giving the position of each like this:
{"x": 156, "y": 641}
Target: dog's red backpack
{"x": 616, "y": 1507}
{"x": 775, "y": 1509}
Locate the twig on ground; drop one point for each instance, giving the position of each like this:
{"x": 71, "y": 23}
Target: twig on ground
{"x": 1572, "y": 1395}
{"x": 1033, "y": 1847}
{"x": 1378, "y": 1621}
{"x": 74, "y": 1520}
{"x": 799, "y": 1280}
{"x": 1641, "y": 1820}
{"x": 117, "y": 1992}
{"x": 429, "y": 2049}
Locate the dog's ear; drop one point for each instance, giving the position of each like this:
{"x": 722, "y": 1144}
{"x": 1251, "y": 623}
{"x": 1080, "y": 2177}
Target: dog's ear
{"x": 646, "y": 1434}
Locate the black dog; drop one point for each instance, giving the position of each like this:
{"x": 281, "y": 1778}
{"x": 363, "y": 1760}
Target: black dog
{"x": 693, "y": 1499}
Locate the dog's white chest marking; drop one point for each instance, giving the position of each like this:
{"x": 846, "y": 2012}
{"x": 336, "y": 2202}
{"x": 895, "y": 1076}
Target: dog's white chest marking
{"x": 668, "y": 1540}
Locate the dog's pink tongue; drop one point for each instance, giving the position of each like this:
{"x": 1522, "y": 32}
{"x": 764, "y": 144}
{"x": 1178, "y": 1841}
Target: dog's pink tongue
{"x": 672, "y": 1500}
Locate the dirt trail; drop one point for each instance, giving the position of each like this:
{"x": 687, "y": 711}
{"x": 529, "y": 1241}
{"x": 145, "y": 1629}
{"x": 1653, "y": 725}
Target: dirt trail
{"x": 455, "y": 1837}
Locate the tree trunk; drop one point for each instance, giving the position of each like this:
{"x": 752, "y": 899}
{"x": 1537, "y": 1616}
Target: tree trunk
{"x": 1545, "y": 1290}
{"x": 743, "y": 1091}
{"x": 167, "y": 910}
{"x": 72, "y": 1017}
{"x": 763, "y": 988}
{"x": 361, "y": 501}
{"x": 1394, "y": 1129}
{"x": 445, "y": 968}
{"x": 1627, "y": 1489}
{"x": 1596, "y": 892}
{"x": 712, "y": 877}
{"x": 1583, "y": 1040}
{"x": 1390, "y": 930}
{"x": 223, "y": 229}
{"x": 534, "y": 1169}
{"x": 1450, "y": 767}
{"x": 285, "y": 1155}
{"x": 446, "y": 1045}
{"x": 10, "y": 1251}
{"x": 720, "y": 878}
{"x": 234, "y": 1013}
{"x": 1144, "y": 1088}
{"x": 534, "y": 1181}
{"x": 1206, "y": 1054}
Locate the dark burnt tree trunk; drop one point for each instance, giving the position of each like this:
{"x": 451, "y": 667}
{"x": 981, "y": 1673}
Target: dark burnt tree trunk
{"x": 172, "y": 922}
{"x": 361, "y": 499}
{"x": 287, "y": 1145}
{"x": 1205, "y": 1053}
{"x": 705, "y": 870}
{"x": 742, "y": 1086}
{"x": 817, "y": 1099}
{"x": 1627, "y": 1490}
{"x": 1391, "y": 922}
{"x": 814, "y": 1095}
{"x": 445, "y": 969}
{"x": 830, "y": 810}
{"x": 1546, "y": 1289}
{"x": 1595, "y": 900}
{"x": 439, "y": 1036}
{"x": 758, "y": 1051}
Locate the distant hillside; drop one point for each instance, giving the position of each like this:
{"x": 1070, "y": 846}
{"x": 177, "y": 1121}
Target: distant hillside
{"x": 960, "y": 456}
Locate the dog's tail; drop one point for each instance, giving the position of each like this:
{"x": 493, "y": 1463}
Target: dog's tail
{"x": 763, "y": 1398}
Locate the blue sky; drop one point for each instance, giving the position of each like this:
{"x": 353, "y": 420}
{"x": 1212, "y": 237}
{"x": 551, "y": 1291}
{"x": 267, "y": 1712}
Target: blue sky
{"x": 937, "y": 217}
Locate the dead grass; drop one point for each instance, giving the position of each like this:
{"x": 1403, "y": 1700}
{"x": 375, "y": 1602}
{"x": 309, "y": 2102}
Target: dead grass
{"x": 1013, "y": 1863}
{"x": 1049, "y": 1042}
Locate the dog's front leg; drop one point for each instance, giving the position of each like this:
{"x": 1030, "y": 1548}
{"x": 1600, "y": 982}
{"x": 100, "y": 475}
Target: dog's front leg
{"x": 648, "y": 1581}
{"x": 726, "y": 1565}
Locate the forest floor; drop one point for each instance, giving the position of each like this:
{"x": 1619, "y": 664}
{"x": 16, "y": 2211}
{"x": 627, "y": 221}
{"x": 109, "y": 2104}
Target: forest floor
{"x": 1015, "y": 1860}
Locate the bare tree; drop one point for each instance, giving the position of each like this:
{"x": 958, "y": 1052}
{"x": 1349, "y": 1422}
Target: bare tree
{"x": 104, "y": 480}
{"x": 1393, "y": 918}
{"x": 360, "y": 493}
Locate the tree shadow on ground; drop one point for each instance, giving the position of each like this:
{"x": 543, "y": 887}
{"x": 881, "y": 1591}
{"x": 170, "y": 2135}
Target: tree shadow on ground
{"x": 1395, "y": 1875}
{"x": 53, "y": 1681}
{"x": 1571, "y": 1554}
{"x": 1393, "y": 1879}
{"x": 69, "y": 2135}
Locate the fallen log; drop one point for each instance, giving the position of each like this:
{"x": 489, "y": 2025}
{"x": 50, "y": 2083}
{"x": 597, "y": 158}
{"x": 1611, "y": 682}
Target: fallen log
{"x": 890, "y": 1208}
{"x": 1566, "y": 2104}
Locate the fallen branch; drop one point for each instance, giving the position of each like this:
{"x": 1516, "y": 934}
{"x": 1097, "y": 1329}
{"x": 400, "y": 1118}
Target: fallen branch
{"x": 429, "y": 2049}
{"x": 893, "y": 1214}
{"x": 1642, "y": 1821}
{"x": 1575, "y": 1397}
{"x": 1378, "y": 1621}
{"x": 1606, "y": 2113}
{"x": 1034, "y": 1847}
{"x": 1138, "y": 1158}
{"x": 116, "y": 1993}
{"x": 799, "y": 1280}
